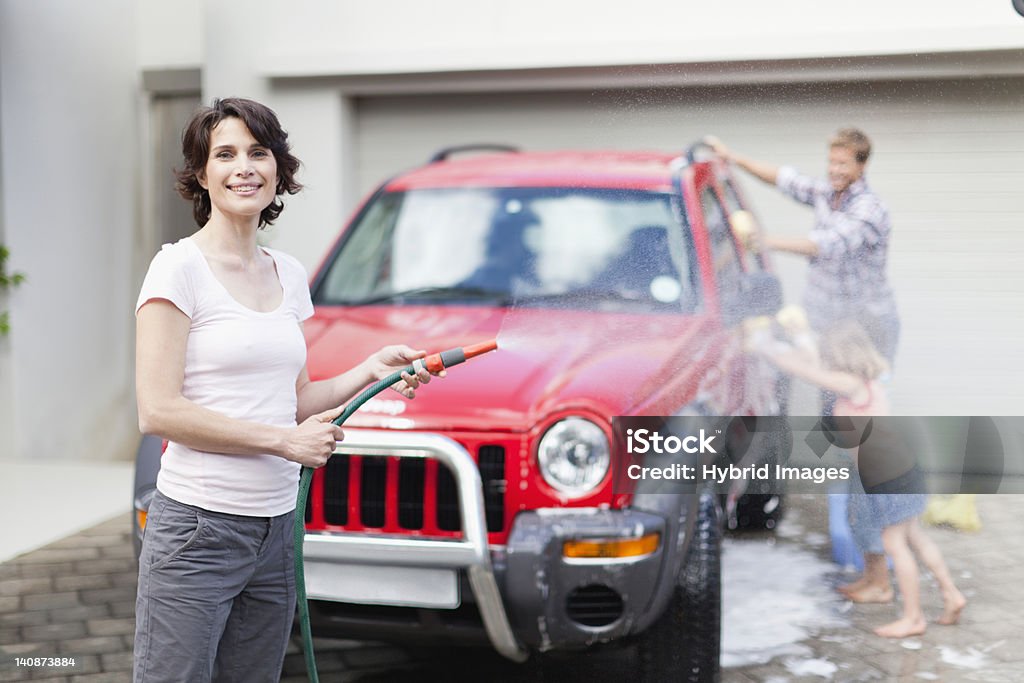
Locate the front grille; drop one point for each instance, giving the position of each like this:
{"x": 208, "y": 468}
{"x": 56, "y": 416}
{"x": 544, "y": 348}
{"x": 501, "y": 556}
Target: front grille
{"x": 395, "y": 494}
{"x": 594, "y": 605}
{"x": 411, "y": 480}
{"x": 492, "y": 473}
{"x": 336, "y": 490}
{"x": 373, "y": 491}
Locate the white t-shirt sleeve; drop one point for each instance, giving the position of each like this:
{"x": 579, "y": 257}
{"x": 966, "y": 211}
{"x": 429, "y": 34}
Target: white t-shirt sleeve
{"x": 169, "y": 278}
{"x": 298, "y": 284}
{"x": 305, "y": 303}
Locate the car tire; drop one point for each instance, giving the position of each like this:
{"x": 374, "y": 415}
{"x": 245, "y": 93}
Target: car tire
{"x": 685, "y": 642}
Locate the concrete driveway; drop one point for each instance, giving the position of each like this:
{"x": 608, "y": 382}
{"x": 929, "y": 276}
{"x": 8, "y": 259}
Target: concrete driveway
{"x": 783, "y": 622}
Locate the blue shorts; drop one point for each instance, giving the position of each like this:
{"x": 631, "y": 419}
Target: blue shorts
{"x": 894, "y": 508}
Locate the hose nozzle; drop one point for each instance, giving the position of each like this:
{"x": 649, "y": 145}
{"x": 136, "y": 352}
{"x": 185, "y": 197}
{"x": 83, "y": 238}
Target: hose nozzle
{"x": 437, "y": 362}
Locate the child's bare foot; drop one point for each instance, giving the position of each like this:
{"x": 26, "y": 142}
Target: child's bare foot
{"x": 853, "y": 586}
{"x": 903, "y": 628}
{"x": 953, "y": 605}
{"x": 872, "y": 593}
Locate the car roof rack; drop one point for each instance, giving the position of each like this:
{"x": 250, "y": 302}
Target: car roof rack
{"x": 444, "y": 153}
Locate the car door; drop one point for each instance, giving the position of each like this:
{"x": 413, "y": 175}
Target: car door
{"x": 765, "y": 390}
{"x": 733, "y": 384}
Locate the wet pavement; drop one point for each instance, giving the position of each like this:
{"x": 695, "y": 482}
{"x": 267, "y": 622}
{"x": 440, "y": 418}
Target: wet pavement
{"x": 988, "y": 567}
{"x": 783, "y": 621}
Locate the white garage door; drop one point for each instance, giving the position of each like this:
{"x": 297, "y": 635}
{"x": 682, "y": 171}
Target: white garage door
{"x": 949, "y": 160}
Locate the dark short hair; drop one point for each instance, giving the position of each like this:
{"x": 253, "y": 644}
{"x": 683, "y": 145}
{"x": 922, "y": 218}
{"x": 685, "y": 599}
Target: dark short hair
{"x": 195, "y": 148}
{"x": 854, "y": 140}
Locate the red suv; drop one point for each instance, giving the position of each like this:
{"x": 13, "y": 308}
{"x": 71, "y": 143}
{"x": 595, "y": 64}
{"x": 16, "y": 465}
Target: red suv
{"x": 486, "y": 510}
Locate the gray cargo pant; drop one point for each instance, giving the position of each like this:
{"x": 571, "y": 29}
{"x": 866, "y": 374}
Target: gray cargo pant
{"x": 216, "y": 595}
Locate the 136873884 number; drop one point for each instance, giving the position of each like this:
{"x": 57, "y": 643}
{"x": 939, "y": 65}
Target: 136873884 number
{"x": 44, "y": 661}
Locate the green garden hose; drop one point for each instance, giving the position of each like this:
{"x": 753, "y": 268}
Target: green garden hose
{"x": 300, "y": 521}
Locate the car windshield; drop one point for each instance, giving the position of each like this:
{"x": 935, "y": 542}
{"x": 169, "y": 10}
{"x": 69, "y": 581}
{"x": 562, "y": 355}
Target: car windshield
{"x": 582, "y": 248}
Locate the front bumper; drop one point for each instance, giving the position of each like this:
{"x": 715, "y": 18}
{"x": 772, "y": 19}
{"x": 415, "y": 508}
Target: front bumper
{"x": 557, "y": 602}
{"x": 519, "y": 597}
{"x": 361, "y": 554}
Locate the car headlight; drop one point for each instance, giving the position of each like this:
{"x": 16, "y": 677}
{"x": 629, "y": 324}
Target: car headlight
{"x": 574, "y": 456}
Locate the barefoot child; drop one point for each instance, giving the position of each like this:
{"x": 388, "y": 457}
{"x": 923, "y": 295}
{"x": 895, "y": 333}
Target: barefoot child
{"x": 850, "y": 366}
{"x": 874, "y": 584}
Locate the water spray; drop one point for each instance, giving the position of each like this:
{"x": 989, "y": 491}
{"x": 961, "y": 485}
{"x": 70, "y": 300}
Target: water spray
{"x": 434, "y": 363}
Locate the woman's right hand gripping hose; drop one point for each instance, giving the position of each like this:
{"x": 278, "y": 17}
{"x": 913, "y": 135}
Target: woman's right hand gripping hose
{"x": 312, "y": 442}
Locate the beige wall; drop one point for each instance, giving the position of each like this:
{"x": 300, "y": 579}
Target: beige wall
{"x": 169, "y": 34}
{"x": 394, "y": 37}
{"x": 69, "y": 212}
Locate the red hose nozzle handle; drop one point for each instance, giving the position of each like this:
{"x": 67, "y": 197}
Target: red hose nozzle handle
{"x": 474, "y": 350}
{"x": 439, "y": 361}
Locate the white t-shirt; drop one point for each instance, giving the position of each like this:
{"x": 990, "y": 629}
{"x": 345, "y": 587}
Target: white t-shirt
{"x": 240, "y": 363}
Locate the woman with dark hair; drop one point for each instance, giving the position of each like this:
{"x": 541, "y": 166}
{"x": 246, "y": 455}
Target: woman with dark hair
{"x": 221, "y": 375}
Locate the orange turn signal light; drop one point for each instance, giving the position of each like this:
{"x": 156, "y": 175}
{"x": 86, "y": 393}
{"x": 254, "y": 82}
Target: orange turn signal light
{"x": 611, "y": 547}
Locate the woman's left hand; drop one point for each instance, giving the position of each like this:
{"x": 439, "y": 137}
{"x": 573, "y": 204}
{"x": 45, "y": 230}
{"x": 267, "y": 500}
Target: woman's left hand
{"x": 391, "y": 358}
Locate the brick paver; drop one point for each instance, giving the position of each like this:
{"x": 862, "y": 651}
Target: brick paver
{"x": 70, "y": 598}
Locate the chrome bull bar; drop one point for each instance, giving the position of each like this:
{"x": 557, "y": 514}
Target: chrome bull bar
{"x": 470, "y": 553}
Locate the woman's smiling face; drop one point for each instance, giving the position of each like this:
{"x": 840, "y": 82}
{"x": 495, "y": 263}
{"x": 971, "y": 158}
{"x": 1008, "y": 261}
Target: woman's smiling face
{"x": 240, "y": 173}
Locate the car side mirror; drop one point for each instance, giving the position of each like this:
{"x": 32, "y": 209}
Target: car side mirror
{"x": 758, "y": 294}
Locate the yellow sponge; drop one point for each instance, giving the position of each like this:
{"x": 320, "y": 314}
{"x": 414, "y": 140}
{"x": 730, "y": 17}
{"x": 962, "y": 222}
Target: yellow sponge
{"x": 744, "y": 228}
{"x": 792, "y": 318}
{"x": 957, "y": 511}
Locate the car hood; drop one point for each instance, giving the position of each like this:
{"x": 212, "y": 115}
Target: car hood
{"x": 548, "y": 361}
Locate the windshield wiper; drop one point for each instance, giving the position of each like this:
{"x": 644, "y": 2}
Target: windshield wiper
{"x": 573, "y": 295}
{"x": 452, "y": 291}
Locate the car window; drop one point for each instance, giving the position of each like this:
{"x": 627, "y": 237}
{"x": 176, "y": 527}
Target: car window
{"x": 752, "y": 263}
{"x": 724, "y": 256}
{"x": 615, "y": 250}
{"x": 367, "y": 261}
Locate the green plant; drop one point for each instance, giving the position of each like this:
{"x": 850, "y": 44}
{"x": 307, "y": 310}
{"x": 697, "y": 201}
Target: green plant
{"x": 7, "y": 281}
